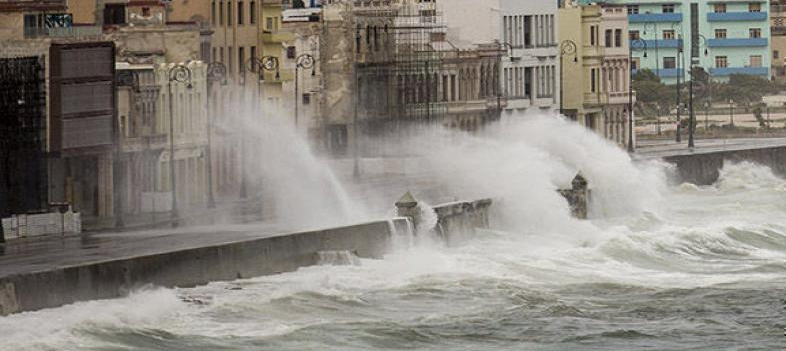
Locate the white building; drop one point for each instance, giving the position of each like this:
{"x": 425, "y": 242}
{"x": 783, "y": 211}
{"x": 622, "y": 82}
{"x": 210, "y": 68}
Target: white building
{"x": 529, "y": 75}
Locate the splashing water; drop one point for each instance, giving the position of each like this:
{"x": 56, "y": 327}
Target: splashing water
{"x": 657, "y": 267}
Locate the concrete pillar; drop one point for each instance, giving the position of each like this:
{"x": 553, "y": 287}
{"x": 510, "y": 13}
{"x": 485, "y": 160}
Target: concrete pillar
{"x": 407, "y": 206}
{"x": 105, "y": 204}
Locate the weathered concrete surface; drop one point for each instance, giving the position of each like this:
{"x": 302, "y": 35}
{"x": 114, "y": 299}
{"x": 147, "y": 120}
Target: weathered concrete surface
{"x": 578, "y": 196}
{"x": 189, "y": 267}
{"x": 458, "y": 221}
{"x": 702, "y": 165}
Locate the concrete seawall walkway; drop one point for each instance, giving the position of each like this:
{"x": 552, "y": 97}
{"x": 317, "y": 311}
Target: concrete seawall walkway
{"x": 650, "y": 149}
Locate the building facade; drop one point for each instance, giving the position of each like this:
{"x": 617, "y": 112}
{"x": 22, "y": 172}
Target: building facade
{"x": 733, "y": 37}
{"x": 527, "y": 31}
{"x": 778, "y": 41}
{"x": 597, "y": 96}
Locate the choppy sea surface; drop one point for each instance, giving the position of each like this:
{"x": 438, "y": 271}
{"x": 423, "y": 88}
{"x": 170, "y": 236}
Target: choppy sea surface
{"x": 706, "y": 271}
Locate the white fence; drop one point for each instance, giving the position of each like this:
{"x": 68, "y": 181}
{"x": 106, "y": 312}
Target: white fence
{"x": 24, "y": 225}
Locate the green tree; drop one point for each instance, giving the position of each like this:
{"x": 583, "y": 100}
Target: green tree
{"x": 651, "y": 93}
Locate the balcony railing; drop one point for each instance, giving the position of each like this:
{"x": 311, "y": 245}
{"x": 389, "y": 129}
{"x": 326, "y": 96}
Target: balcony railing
{"x": 67, "y": 32}
{"x": 736, "y": 42}
{"x": 662, "y": 43}
{"x": 736, "y": 16}
{"x": 726, "y": 71}
{"x": 655, "y": 17}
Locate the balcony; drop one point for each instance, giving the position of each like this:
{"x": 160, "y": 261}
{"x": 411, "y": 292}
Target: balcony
{"x": 663, "y": 43}
{"x": 76, "y": 32}
{"x": 618, "y": 98}
{"x": 726, "y": 71}
{"x": 736, "y": 42}
{"x": 276, "y": 37}
{"x": 655, "y": 18}
{"x": 736, "y": 16}
{"x": 596, "y": 98}
{"x": 669, "y": 72}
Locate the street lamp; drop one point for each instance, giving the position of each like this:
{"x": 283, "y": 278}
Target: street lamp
{"x": 567, "y": 47}
{"x": 731, "y": 113}
{"x": 509, "y": 53}
{"x": 258, "y": 65}
{"x": 216, "y": 72}
{"x": 304, "y": 61}
{"x": 692, "y": 117}
{"x": 638, "y": 44}
{"x": 678, "y": 136}
{"x": 179, "y": 73}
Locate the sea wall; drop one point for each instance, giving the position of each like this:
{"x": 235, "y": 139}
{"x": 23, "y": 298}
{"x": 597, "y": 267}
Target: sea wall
{"x": 191, "y": 267}
{"x": 704, "y": 168}
{"x": 458, "y": 221}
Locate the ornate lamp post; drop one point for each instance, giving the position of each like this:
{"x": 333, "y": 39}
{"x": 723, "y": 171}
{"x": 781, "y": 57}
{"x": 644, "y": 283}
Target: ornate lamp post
{"x": 566, "y": 48}
{"x": 638, "y": 44}
{"x": 216, "y": 72}
{"x": 305, "y": 61}
{"x": 692, "y": 117}
{"x": 258, "y": 65}
{"x": 124, "y": 78}
{"x": 179, "y": 73}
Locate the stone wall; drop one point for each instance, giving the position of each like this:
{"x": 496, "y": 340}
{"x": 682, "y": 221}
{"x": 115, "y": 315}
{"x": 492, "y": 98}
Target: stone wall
{"x": 458, "y": 221}
{"x": 191, "y": 267}
{"x": 704, "y": 168}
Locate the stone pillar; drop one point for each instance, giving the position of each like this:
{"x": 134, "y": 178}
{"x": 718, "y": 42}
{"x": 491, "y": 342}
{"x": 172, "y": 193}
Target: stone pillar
{"x": 577, "y": 196}
{"x": 407, "y": 206}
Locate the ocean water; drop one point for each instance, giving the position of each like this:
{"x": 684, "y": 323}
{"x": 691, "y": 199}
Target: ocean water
{"x": 659, "y": 266}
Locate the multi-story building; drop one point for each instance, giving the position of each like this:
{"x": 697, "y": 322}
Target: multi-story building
{"x": 732, "y": 37}
{"x": 595, "y": 58}
{"x": 527, "y": 31}
{"x": 778, "y": 40}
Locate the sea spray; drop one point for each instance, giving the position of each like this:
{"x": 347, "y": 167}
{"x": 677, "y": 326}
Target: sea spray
{"x": 306, "y": 193}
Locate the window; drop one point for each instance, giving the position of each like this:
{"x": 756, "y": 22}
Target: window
{"x": 213, "y": 13}
{"x": 592, "y": 80}
{"x": 252, "y": 52}
{"x": 609, "y": 41}
{"x": 719, "y": 8}
{"x": 269, "y": 23}
{"x": 634, "y": 35}
{"x": 721, "y": 61}
{"x": 221, "y": 14}
{"x": 146, "y": 11}
{"x": 754, "y": 7}
{"x": 634, "y": 65}
{"x": 215, "y": 55}
{"x": 618, "y": 38}
{"x": 669, "y": 62}
{"x": 229, "y": 13}
{"x": 239, "y": 12}
{"x": 221, "y": 58}
{"x": 668, "y": 34}
{"x": 775, "y": 54}
{"x": 306, "y": 99}
{"x": 241, "y": 58}
{"x": 252, "y": 8}
{"x": 668, "y": 8}
{"x": 230, "y": 58}
{"x": 633, "y": 9}
{"x": 593, "y": 35}
{"x": 755, "y": 61}
{"x": 720, "y": 34}
{"x": 755, "y": 32}
{"x": 114, "y": 14}
{"x": 291, "y": 52}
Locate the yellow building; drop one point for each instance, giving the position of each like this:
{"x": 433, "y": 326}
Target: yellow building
{"x": 594, "y": 48}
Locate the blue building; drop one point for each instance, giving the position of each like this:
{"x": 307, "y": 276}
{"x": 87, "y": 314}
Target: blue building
{"x": 734, "y": 36}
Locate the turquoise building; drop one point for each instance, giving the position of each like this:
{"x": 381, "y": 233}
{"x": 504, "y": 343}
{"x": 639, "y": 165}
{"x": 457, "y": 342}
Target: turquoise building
{"x": 734, "y": 36}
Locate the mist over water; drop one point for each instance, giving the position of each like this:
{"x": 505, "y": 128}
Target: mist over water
{"x": 658, "y": 266}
